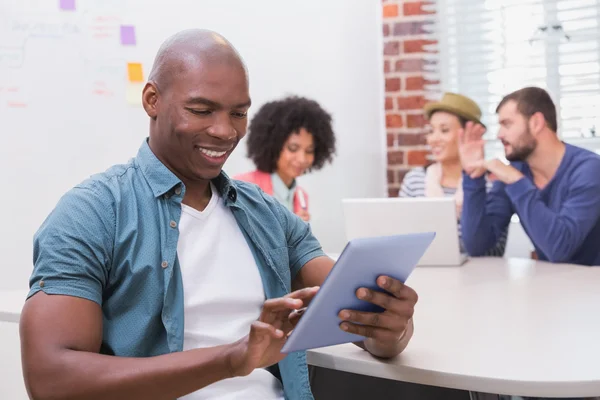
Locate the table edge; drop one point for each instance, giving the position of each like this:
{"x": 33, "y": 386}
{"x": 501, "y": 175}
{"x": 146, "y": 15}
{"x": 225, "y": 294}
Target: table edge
{"x": 455, "y": 381}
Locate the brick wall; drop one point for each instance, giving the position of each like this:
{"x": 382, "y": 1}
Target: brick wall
{"x": 408, "y": 53}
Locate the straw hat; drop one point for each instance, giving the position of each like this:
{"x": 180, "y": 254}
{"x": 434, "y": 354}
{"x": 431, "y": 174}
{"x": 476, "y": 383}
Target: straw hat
{"x": 455, "y": 104}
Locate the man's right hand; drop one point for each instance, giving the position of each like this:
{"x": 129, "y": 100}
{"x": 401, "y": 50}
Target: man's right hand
{"x": 61, "y": 337}
{"x": 262, "y": 346}
{"x": 471, "y": 149}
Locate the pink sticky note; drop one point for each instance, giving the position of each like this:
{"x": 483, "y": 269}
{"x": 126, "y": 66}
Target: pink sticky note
{"x": 127, "y": 35}
{"x": 68, "y": 5}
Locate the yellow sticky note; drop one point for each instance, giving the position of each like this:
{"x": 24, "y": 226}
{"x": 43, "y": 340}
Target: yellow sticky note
{"x": 133, "y": 93}
{"x": 134, "y": 72}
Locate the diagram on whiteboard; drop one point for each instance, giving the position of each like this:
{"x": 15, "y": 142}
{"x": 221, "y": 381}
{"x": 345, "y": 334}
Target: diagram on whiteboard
{"x": 83, "y": 48}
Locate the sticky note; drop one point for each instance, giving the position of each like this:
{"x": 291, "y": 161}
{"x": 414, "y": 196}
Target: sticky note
{"x": 128, "y": 35}
{"x": 133, "y": 93}
{"x": 134, "y": 72}
{"x": 68, "y": 5}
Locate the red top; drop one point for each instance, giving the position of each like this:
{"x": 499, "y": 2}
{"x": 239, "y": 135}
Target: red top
{"x": 263, "y": 180}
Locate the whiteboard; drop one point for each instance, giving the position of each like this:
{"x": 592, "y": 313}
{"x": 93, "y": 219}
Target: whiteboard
{"x": 67, "y": 109}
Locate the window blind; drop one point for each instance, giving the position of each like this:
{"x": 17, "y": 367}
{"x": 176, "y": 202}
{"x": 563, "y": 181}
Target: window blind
{"x": 488, "y": 48}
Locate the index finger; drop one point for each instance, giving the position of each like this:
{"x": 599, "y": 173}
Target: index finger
{"x": 303, "y": 294}
{"x": 281, "y": 304}
{"x": 478, "y": 131}
{"x": 473, "y": 131}
{"x": 397, "y": 288}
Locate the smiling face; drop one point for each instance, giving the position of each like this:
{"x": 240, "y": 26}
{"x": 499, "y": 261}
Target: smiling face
{"x": 297, "y": 155}
{"x": 200, "y": 116}
{"x": 443, "y": 138}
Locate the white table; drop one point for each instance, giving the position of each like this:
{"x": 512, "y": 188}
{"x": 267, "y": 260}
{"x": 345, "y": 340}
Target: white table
{"x": 11, "y": 303}
{"x": 508, "y": 326}
{"x": 11, "y": 378}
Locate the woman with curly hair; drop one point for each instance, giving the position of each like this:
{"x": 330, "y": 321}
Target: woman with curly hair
{"x": 288, "y": 138}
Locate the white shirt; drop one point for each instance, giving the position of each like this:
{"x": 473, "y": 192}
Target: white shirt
{"x": 223, "y": 295}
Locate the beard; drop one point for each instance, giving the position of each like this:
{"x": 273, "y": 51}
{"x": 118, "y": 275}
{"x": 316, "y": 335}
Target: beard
{"x": 524, "y": 147}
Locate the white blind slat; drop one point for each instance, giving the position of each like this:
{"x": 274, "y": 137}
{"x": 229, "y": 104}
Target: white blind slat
{"x": 489, "y": 48}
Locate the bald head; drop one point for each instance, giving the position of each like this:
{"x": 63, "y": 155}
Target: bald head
{"x": 197, "y": 98}
{"x": 192, "y": 49}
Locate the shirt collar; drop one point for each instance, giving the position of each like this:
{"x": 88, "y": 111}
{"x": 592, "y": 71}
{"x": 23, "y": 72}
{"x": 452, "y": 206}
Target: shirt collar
{"x": 280, "y": 186}
{"x": 162, "y": 180}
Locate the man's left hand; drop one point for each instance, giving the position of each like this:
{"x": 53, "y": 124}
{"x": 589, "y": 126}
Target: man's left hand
{"x": 384, "y": 331}
{"x": 502, "y": 172}
{"x": 304, "y": 215}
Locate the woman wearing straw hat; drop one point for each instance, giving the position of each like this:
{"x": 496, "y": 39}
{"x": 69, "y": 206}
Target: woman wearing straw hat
{"x": 443, "y": 178}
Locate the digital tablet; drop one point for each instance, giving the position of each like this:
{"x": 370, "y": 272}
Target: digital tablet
{"x": 360, "y": 264}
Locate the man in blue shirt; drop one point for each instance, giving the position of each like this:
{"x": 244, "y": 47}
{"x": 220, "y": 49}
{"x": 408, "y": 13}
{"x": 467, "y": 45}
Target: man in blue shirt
{"x": 553, "y": 187}
{"x": 163, "y": 278}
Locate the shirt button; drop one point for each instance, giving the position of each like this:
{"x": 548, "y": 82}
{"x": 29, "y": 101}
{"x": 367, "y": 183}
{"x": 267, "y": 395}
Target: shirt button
{"x": 232, "y": 195}
{"x": 42, "y": 283}
{"x": 178, "y": 190}
{"x": 173, "y": 224}
{"x": 164, "y": 264}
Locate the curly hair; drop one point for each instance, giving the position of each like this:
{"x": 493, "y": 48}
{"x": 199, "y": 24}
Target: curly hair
{"x": 277, "y": 120}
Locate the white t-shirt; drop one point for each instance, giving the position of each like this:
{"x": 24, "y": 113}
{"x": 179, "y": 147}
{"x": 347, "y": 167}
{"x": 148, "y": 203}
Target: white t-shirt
{"x": 223, "y": 295}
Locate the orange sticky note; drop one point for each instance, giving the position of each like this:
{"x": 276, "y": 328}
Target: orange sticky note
{"x": 134, "y": 72}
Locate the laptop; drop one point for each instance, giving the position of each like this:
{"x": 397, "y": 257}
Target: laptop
{"x": 397, "y": 216}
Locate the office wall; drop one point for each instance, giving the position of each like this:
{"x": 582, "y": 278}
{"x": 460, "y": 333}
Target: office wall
{"x": 67, "y": 109}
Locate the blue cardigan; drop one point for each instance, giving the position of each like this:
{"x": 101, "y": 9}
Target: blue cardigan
{"x": 562, "y": 219}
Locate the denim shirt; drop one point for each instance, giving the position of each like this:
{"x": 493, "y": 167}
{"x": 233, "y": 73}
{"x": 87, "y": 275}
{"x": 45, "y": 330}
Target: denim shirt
{"x": 113, "y": 240}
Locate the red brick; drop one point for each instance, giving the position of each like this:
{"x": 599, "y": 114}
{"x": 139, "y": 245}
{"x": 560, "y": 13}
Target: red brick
{"x": 416, "y": 8}
{"x": 410, "y": 139}
{"x": 394, "y": 121}
{"x": 393, "y": 192}
{"x": 413, "y": 65}
{"x": 411, "y": 28}
{"x": 392, "y": 176}
{"x": 391, "y": 48}
{"x": 417, "y": 157}
{"x": 415, "y": 83}
{"x": 416, "y": 121}
{"x": 416, "y": 46}
{"x": 392, "y": 85}
{"x": 410, "y": 65}
{"x": 390, "y": 10}
{"x": 418, "y": 83}
{"x": 395, "y": 157}
{"x": 391, "y": 139}
{"x": 411, "y": 102}
{"x": 386, "y": 66}
{"x": 389, "y": 103}
{"x": 386, "y": 30}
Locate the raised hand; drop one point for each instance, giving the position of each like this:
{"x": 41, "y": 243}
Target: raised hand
{"x": 471, "y": 149}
